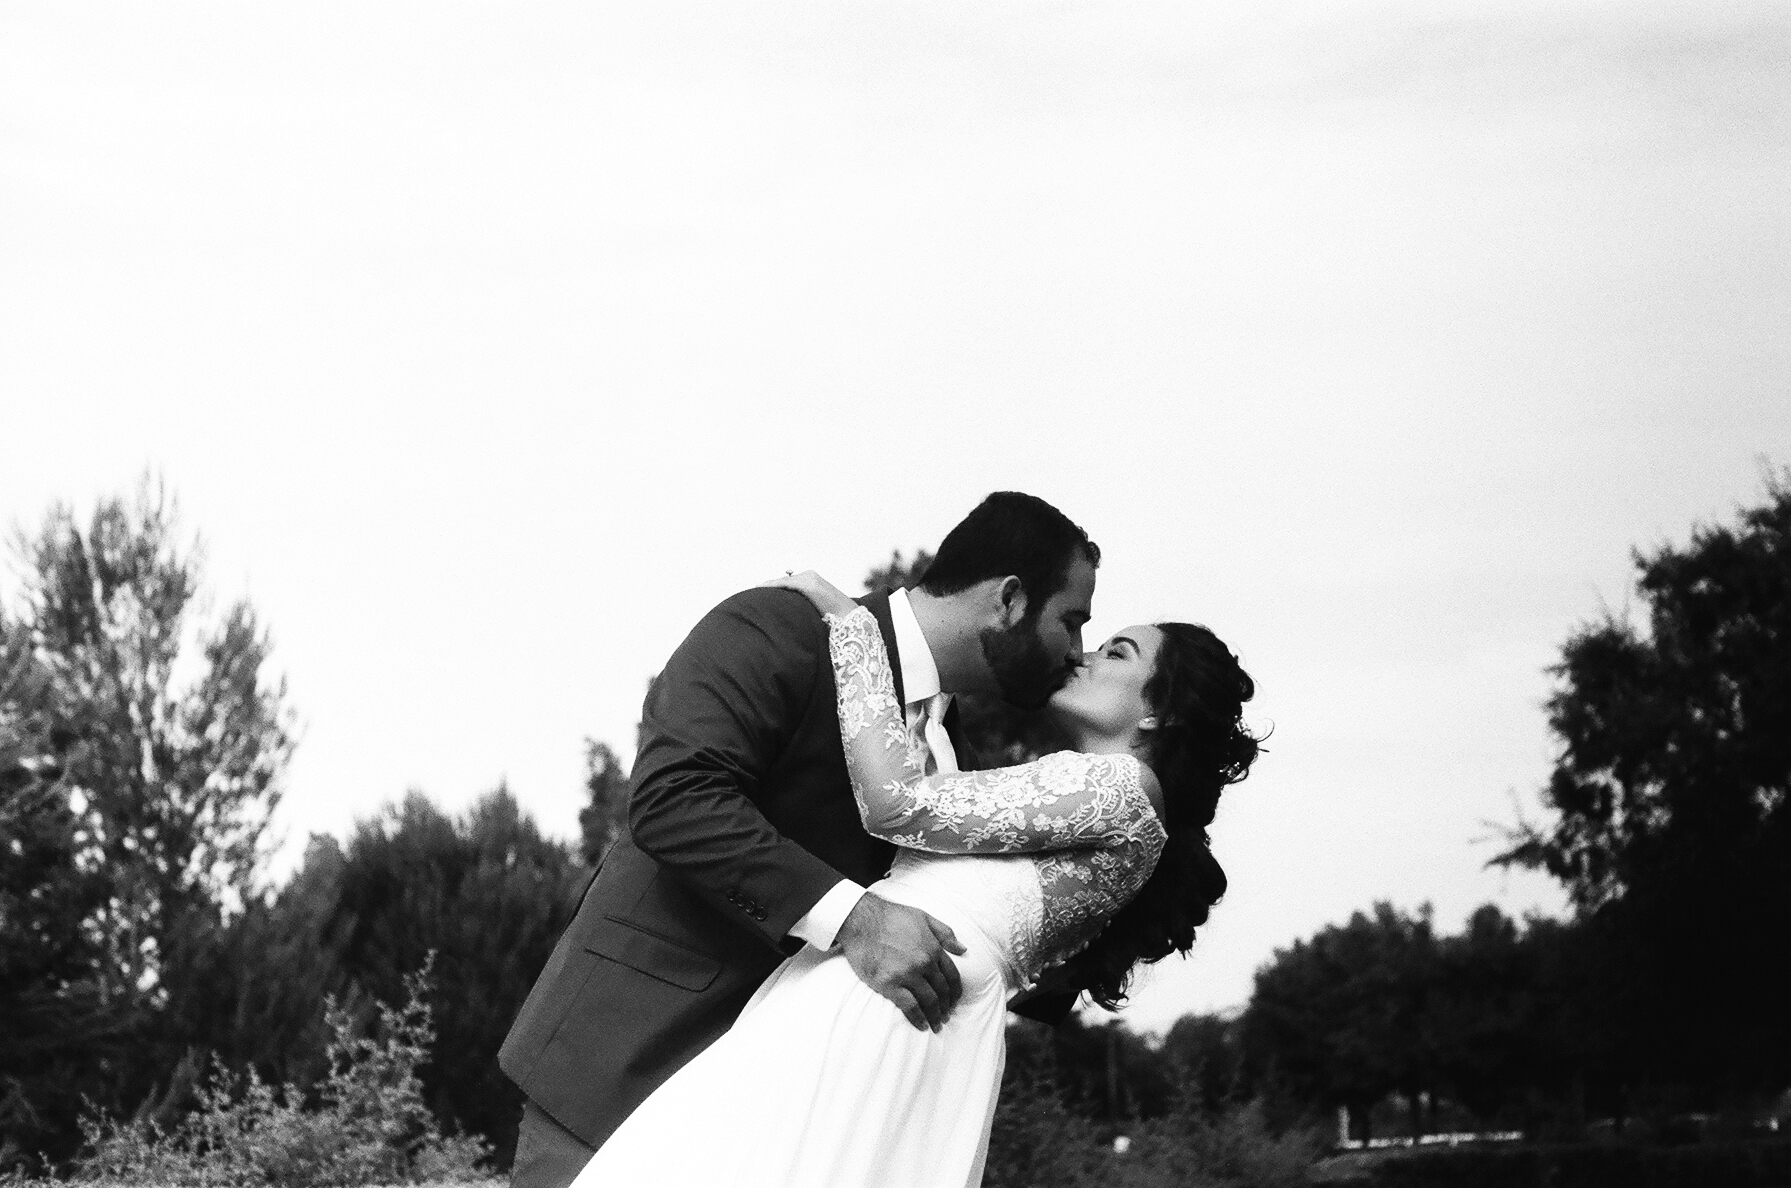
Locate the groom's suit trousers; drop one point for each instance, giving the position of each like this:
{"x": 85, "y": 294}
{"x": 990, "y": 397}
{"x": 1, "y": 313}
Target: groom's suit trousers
{"x": 547, "y": 1154}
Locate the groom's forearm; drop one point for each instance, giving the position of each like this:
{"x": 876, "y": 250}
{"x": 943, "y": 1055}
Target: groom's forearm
{"x": 704, "y": 827}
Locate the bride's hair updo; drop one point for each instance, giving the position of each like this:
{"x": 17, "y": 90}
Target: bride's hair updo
{"x": 1197, "y": 692}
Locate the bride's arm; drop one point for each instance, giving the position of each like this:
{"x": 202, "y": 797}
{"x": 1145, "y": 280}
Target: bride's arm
{"x": 1066, "y": 801}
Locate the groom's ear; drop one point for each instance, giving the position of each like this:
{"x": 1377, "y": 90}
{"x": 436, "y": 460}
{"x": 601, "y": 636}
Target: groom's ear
{"x": 1011, "y": 600}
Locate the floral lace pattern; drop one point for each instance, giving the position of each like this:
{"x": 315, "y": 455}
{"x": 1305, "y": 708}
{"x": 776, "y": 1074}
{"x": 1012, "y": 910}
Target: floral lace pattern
{"x": 1085, "y": 819}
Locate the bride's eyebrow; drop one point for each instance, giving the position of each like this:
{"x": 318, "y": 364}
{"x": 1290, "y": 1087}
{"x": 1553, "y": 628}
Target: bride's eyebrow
{"x": 1124, "y": 639}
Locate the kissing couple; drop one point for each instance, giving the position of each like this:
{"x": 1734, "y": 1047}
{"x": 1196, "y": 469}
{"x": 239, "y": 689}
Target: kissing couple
{"x": 795, "y": 969}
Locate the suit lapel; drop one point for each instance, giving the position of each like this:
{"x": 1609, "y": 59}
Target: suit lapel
{"x": 878, "y": 605}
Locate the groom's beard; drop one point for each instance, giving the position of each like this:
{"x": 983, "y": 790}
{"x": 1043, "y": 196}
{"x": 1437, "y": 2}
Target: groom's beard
{"x": 1024, "y": 671}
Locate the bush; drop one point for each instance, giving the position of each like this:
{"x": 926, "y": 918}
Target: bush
{"x": 1037, "y": 1141}
{"x": 369, "y": 1124}
{"x": 1232, "y": 1148}
{"x": 1041, "y": 1141}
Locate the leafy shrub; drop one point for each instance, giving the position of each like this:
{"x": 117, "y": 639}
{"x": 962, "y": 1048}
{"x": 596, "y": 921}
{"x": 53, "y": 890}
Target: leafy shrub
{"x": 1230, "y": 1148}
{"x": 1039, "y": 1141}
{"x": 369, "y": 1124}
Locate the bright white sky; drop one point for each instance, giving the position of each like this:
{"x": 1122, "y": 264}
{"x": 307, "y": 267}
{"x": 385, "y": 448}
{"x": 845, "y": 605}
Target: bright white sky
{"x": 489, "y": 344}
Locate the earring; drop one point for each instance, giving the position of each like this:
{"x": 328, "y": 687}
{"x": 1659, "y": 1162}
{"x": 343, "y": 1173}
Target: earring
{"x": 1148, "y": 723}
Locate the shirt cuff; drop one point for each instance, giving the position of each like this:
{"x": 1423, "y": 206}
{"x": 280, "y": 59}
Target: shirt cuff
{"x": 821, "y": 923}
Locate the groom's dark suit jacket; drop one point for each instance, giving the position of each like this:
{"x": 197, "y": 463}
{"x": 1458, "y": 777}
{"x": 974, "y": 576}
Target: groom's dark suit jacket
{"x": 741, "y": 817}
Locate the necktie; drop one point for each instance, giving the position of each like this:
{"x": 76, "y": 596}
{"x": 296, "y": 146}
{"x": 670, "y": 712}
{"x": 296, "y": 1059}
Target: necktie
{"x": 929, "y": 724}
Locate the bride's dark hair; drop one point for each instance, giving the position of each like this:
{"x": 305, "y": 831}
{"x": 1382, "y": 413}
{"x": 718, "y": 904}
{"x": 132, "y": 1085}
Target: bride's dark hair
{"x": 1197, "y": 692}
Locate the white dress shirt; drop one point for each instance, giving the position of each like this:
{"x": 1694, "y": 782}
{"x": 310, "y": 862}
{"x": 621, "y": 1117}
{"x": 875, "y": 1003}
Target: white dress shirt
{"x": 920, "y": 685}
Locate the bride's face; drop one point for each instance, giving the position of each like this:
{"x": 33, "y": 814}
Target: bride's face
{"x": 1106, "y": 695}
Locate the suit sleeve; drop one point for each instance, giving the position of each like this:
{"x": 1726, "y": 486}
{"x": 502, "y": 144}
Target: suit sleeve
{"x": 721, "y": 713}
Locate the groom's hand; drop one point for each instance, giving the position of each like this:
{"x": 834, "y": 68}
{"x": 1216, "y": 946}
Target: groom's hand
{"x": 905, "y": 955}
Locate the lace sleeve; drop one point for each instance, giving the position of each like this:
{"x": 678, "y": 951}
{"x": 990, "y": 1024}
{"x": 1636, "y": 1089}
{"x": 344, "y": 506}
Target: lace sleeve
{"x": 1066, "y": 801}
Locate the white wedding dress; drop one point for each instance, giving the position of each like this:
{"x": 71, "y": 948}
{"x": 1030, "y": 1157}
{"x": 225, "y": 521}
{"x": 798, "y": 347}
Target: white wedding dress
{"x": 821, "y": 1082}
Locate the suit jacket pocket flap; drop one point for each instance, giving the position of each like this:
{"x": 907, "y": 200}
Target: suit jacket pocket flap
{"x": 651, "y": 954}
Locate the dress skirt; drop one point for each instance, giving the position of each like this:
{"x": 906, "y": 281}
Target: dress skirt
{"x": 822, "y": 1083}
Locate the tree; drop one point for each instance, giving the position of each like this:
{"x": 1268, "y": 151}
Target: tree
{"x": 1502, "y": 1025}
{"x": 1109, "y": 1073}
{"x": 253, "y": 992}
{"x": 56, "y": 1021}
{"x": 1343, "y": 1019}
{"x": 138, "y": 830}
{"x": 490, "y": 896}
{"x": 171, "y": 780}
{"x": 900, "y": 574}
{"x": 1670, "y": 827}
{"x": 1207, "y": 1054}
{"x": 603, "y": 821}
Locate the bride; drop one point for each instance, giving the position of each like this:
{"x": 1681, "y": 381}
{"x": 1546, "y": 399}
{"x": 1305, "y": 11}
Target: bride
{"x": 1098, "y": 853}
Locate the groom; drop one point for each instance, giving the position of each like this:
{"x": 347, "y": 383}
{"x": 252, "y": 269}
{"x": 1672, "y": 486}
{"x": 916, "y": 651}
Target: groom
{"x": 744, "y": 842}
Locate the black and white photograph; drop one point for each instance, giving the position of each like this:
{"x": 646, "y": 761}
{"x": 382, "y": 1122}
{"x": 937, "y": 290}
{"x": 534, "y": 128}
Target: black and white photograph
{"x": 1146, "y": 594}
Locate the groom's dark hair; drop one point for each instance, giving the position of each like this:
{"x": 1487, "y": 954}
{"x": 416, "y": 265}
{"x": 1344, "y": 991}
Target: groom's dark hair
{"x": 1010, "y": 533}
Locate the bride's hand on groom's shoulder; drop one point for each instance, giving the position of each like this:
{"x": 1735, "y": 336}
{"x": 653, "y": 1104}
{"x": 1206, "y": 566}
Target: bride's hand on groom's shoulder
{"x": 828, "y": 598}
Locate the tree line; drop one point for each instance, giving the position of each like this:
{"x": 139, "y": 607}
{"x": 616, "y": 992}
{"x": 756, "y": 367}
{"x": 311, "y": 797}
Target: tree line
{"x": 142, "y": 745}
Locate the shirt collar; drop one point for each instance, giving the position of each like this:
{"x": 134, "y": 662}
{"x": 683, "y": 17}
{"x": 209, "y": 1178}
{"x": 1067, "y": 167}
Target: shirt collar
{"x": 920, "y": 675}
